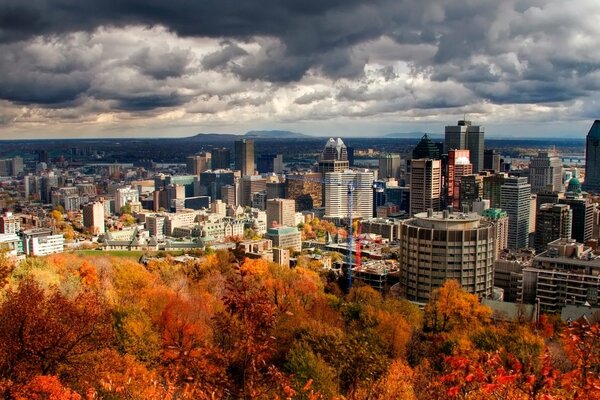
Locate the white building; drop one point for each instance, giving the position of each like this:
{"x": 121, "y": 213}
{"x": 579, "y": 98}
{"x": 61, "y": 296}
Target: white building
{"x": 337, "y": 192}
{"x": 124, "y": 196}
{"x": 41, "y": 242}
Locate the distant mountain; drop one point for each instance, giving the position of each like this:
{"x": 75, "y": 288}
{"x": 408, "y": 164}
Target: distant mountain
{"x": 276, "y": 135}
{"x": 411, "y": 135}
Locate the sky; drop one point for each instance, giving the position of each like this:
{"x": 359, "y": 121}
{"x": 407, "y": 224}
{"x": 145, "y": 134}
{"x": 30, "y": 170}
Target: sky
{"x": 131, "y": 68}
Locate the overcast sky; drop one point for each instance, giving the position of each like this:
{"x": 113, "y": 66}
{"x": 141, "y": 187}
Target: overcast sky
{"x": 76, "y": 68}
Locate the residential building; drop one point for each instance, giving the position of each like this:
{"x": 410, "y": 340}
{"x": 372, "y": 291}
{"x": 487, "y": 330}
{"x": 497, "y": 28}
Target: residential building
{"x": 93, "y": 218}
{"x": 425, "y": 185}
{"x": 499, "y": 219}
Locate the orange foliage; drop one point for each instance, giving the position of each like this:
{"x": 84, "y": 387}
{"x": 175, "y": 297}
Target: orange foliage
{"x": 44, "y": 387}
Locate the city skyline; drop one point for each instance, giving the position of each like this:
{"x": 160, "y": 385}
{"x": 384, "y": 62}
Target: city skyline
{"x": 90, "y": 69}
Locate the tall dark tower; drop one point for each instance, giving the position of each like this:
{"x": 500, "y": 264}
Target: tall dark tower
{"x": 244, "y": 156}
{"x": 592, "y": 159}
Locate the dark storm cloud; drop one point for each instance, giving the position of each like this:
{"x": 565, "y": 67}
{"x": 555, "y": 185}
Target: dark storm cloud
{"x": 220, "y": 58}
{"x": 161, "y": 65}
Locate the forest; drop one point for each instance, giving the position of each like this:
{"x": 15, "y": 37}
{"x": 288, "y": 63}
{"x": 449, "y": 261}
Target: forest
{"x": 227, "y": 327}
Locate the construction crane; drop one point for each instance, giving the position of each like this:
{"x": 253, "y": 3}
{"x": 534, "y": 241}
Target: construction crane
{"x": 350, "y": 197}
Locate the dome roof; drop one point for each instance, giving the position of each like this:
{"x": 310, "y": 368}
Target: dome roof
{"x": 574, "y": 181}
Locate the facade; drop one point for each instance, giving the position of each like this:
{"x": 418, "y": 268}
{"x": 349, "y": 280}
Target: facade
{"x": 435, "y": 247}
{"x": 251, "y": 184}
{"x": 545, "y": 173}
{"x": 266, "y": 163}
{"x": 285, "y": 237}
{"x": 126, "y": 196}
{"x": 425, "y": 185}
{"x": 220, "y": 158}
{"x": 592, "y": 159}
{"x": 463, "y": 135}
{"x": 9, "y": 223}
{"x": 471, "y": 189}
{"x": 499, "y": 219}
{"x": 491, "y": 160}
{"x": 41, "y": 242}
{"x": 198, "y": 163}
{"x": 553, "y": 222}
{"x": 583, "y": 216}
{"x": 390, "y": 166}
{"x": 93, "y": 218}
{"x": 306, "y": 190}
{"x": 567, "y": 273}
{"x": 156, "y": 226}
{"x": 515, "y": 199}
{"x": 337, "y": 192}
{"x": 281, "y": 212}
{"x": 244, "y": 156}
{"x": 387, "y": 228}
{"x": 458, "y": 166}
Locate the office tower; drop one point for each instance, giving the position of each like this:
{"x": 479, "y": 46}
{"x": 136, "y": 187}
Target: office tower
{"x": 592, "y": 159}
{"x": 42, "y": 156}
{"x": 306, "y": 189}
{"x": 426, "y": 149}
{"x": 499, "y": 219}
{"x": 350, "y": 151}
{"x": 337, "y": 192}
{"x": 244, "y": 156}
{"x": 545, "y": 173}
{"x": 251, "y": 184}
{"x": 435, "y": 247}
{"x": 276, "y": 190}
{"x": 425, "y": 185}
{"x": 548, "y": 197}
{"x": 458, "y": 166}
{"x": 491, "y": 160}
{"x": 93, "y": 218}
{"x": 281, "y": 212}
{"x": 198, "y": 163}
{"x": 398, "y": 195}
{"x": 126, "y": 196}
{"x": 583, "y": 216}
{"x": 9, "y": 223}
{"x": 390, "y": 166}
{"x": 471, "y": 189}
{"x": 16, "y": 166}
{"x": 220, "y": 158}
{"x": 491, "y": 188}
{"x": 466, "y": 136}
{"x": 553, "y": 222}
{"x": 212, "y": 181}
{"x": 515, "y": 199}
{"x": 334, "y": 157}
{"x": 266, "y": 163}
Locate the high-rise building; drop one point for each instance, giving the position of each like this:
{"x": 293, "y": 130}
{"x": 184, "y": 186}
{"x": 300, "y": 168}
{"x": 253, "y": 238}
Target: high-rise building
{"x": 334, "y": 157}
{"x": 212, "y": 181}
{"x": 491, "y": 188}
{"x": 126, "y": 196}
{"x": 306, "y": 189}
{"x": 426, "y": 149}
{"x": 281, "y": 212}
{"x": 390, "y": 166}
{"x": 285, "y": 237}
{"x": 244, "y": 156}
{"x": 553, "y": 221}
{"x": 471, "y": 189}
{"x": 592, "y": 159}
{"x": 220, "y": 158}
{"x": 198, "y": 163}
{"x": 435, "y": 247}
{"x": 458, "y": 166}
{"x": 276, "y": 190}
{"x": 499, "y": 219}
{"x": 337, "y": 192}
{"x": 425, "y": 185}
{"x": 466, "y": 136}
{"x": 545, "y": 173}
{"x": 583, "y": 216}
{"x": 251, "y": 184}
{"x": 491, "y": 160}
{"x": 93, "y": 218}
{"x": 266, "y": 163}
{"x": 515, "y": 199}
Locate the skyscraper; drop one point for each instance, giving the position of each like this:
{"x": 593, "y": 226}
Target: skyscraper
{"x": 334, "y": 157}
{"x": 220, "y": 158}
{"x": 266, "y": 163}
{"x": 281, "y": 212}
{"x": 244, "y": 156}
{"x": 336, "y": 194}
{"x": 583, "y": 216}
{"x": 458, "y": 166}
{"x": 545, "y": 173}
{"x": 425, "y": 185}
{"x": 426, "y": 149}
{"x": 93, "y": 218}
{"x": 553, "y": 222}
{"x": 466, "y": 136}
{"x": 515, "y": 199}
{"x": 592, "y": 159}
{"x": 491, "y": 160}
{"x": 390, "y": 166}
{"x": 198, "y": 163}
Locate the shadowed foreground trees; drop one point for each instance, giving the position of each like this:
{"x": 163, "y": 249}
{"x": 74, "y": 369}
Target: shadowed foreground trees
{"x": 224, "y": 327}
